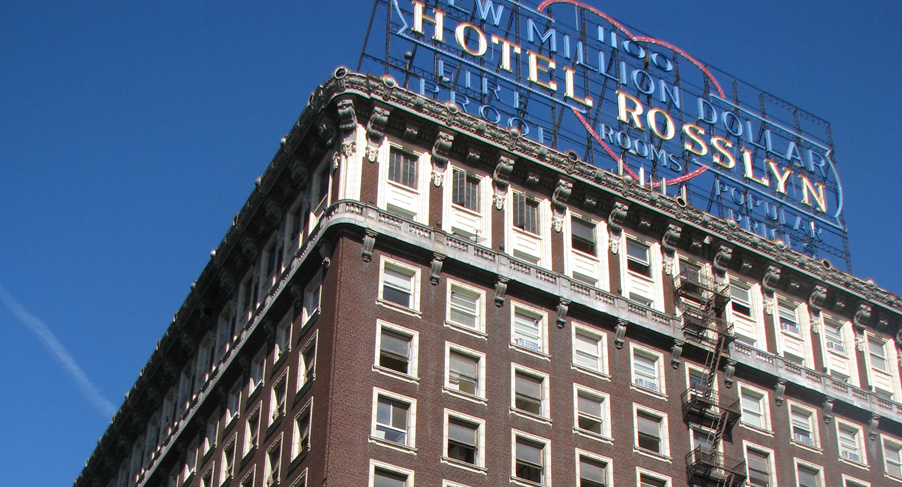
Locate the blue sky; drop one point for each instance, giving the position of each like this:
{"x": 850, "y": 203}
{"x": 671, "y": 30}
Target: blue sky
{"x": 132, "y": 132}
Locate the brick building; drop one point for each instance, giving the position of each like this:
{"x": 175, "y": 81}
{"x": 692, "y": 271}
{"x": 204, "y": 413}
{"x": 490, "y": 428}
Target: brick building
{"x": 413, "y": 297}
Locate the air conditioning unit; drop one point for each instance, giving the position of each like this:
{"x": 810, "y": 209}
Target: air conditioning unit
{"x": 837, "y": 347}
{"x": 790, "y": 327}
{"x": 526, "y": 343}
{"x": 800, "y": 438}
{"x": 848, "y": 455}
{"x": 647, "y": 384}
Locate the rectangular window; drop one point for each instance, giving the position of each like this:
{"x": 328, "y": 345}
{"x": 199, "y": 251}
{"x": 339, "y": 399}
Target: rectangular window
{"x": 589, "y": 349}
{"x": 758, "y": 463}
{"x": 465, "y": 307}
{"x": 252, "y": 431}
{"x": 463, "y": 439}
{"x": 892, "y": 458}
{"x": 283, "y": 337}
{"x": 402, "y": 168}
{"x": 210, "y": 431}
{"x": 312, "y": 299}
{"x": 833, "y": 333}
{"x": 301, "y": 434}
{"x": 809, "y": 476}
{"x": 850, "y": 442}
{"x": 637, "y": 258}
{"x": 274, "y": 462}
{"x": 392, "y": 420}
{"x": 526, "y": 213}
{"x": 803, "y": 424}
{"x": 278, "y": 398}
{"x": 388, "y": 478}
{"x": 398, "y": 285}
{"x": 646, "y": 480}
{"x": 227, "y": 467}
{"x": 877, "y": 353}
{"x": 740, "y": 300}
{"x": 529, "y": 460}
{"x": 592, "y": 471}
{"x": 463, "y": 372}
{"x": 647, "y": 370}
{"x": 650, "y": 432}
{"x": 465, "y": 190}
{"x": 529, "y": 329}
{"x": 754, "y": 408}
{"x": 582, "y": 236}
{"x": 789, "y": 322}
{"x": 394, "y": 351}
{"x": 591, "y": 411}
{"x": 258, "y": 366}
{"x": 529, "y": 393}
{"x": 307, "y": 369}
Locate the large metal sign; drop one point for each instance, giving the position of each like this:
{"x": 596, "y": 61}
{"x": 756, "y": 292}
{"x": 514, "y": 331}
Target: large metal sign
{"x": 569, "y": 76}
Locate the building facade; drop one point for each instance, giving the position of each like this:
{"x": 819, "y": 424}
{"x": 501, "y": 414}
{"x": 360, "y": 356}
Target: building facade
{"x": 414, "y": 297}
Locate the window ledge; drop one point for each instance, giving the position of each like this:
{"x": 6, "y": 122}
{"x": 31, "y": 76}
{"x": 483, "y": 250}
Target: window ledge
{"x": 812, "y": 448}
{"x": 756, "y": 429}
{"x": 526, "y": 483}
{"x": 308, "y": 323}
{"x": 231, "y": 422}
{"x": 397, "y": 307}
{"x": 861, "y": 465}
{"x": 593, "y": 436}
{"x": 298, "y": 459}
{"x": 648, "y": 392}
{"x": 464, "y": 465}
{"x": 254, "y": 392}
{"x": 531, "y": 416}
{"x": 280, "y": 360}
{"x": 594, "y": 373}
{"x": 469, "y": 331}
{"x": 394, "y": 446}
{"x": 303, "y": 390}
{"x": 651, "y": 454}
{"x": 464, "y": 209}
{"x": 541, "y": 355}
{"x": 248, "y": 455}
{"x": 892, "y": 477}
{"x": 463, "y": 395}
{"x": 394, "y": 373}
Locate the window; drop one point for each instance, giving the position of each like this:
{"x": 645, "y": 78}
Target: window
{"x": 789, "y": 321}
{"x": 648, "y": 479}
{"x": 592, "y": 414}
{"x": 528, "y": 329}
{"x": 526, "y": 213}
{"x": 227, "y": 467}
{"x": 698, "y": 380}
{"x": 400, "y": 285}
{"x": 850, "y": 482}
{"x": 312, "y": 299}
{"x": 465, "y": 307}
{"x": 851, "y": 442}
{"x": 248, "y": 479}
{"x": 283, "y": 338}
{"x": 465, "y": 371}
{"x": 393, "y": 418}
{"x": 385, "y": 475}
{"x": 258, "y": 366}
{"x": 833, "y": 336}
{"x": 651, "y": 431}
{"x": 531, "y": 459}
{"x": 301, "y": 435}
{"x": 465, "y": 190}
{"x": 740, "y": 300}
{"x": 530, "y": 392}
{"x": 210, "y": 430}
{"x": 803, "y": 423}
{"x": 809, "y": 475}
{"x": 591, "y": 470}
{"x": 205, "y": 354}
{"x": 301, "y": 480}
{"x": 278, "y": 398}
{"x": 320, "y": 184}
{"x": 464, "y": 437}
{"x": 637, "y": 258}
{"x": 233, "y": 402}
{"x": 274, "y": 462}
{"x": 396, "y": 348}
{"x": 589, "y": 349}
{"x": 892, "y": 457}
{"x": 252, "y": 431}
{"x": 206, "y": 480}
{"x": 582, "y": 236}
{"x": 647, "y": 370}
{"x": 759, "y": 463}
{"x": 402, "y": 168}
{"x": 877, "y": 354}
{"x": 754, "y": 408}
{"x": 190, "y": 460}
{"x": 307, "y": 365}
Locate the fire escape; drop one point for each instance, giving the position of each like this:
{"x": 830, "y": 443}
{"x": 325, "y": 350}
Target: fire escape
{"x": 701, "y": 304}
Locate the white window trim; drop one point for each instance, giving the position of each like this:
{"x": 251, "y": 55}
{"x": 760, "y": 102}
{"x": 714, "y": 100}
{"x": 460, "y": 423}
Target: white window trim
{"x": 756, "y": 305}
{"x": 656, "y": 270}
{"x": 483, "y": 228}
{"x": 764, "y": 401}
{"x": 249, "y": 478}
{"x": 855, "y": 482}
{"x": 424, "y": 177}
{"x": 896, "y": 443}
{"x": 605, "y": 413}
{"x": 546, "y": 403}
{"x": 285, "y": 325}
{"x": 403, "y": 268}
{"x": 480, "y": 304}
{"x": 480, "y": 371}
{"x": 274, "y": 413}
{"x": 295, "y": 436}
{"x": 771, "y": 460}
{"x": 658, "y": 357}
{"x": 313, "y": 341}
{"x": 512, "y": 234}
{"x": 411, "y": 420}
{"x": 233, "y": 443}
{"x": 374, "y": 464}
{"x": 414, "y": 350}
{"x": 541, "y": 317}
{"x": 859, "y": 438}
{"x": 546, "y": 457}
{"x": 812, "y": 425}
{"x": 315, "y": 284}
{"x": 664, "y": 430}
{"x": 892, "y": 364}
{"x": 849, "y": 356}
{"x": 691, "y": 368}
{"x": 260, "y": 357}
{"x": 602, "y": 339}
{"x": 803, "y": 321}
{"x": 796, "y": 463}
{"x": 651, "y": 473}
{"x": 267, "y": 466}
{"x": 247, "y": 448}
{"x": 300, "y": 478}
{"x": 601, "y": 249}
{"x": 609, "y": 465}
{"x": 480, "y": 441}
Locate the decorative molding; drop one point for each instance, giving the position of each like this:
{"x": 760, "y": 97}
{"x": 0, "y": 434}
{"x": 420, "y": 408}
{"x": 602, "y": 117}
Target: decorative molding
{"x": 722, "y": 260}
{"x": 559, "y": 204}
{"x": 375, "y": 132}
{"x": 227, "y": 281}
{"x": 347, "y": 124}
{"x": 562, "y": 308}
{"x": 779, "y": 390}
{"x": 299, "y": 172}
{"x": 249, "y": 248}
{"x": 501, "y": 180}
{"x": 411, "y": 131}
{"x": 620, "y": 333}
{"x": 668, "y": 246}
{"x": 676, "y": 351}
{"x": 532, "y": 179}
{"x": 729, "y": 372}
{"x": 873, "y": 425}
{"x": 862, "y": 316}
{"x": 615, "y": 225}
{"x": 325, "y": 253}
{"x": 828, "y": 409}
{"x": 297, "y": 295}
{"x": 440, "y": 150}
{"x": 369, "y": 241}
{"x": 500, "y": 290}
{"x": 816, "y": 301}
{"x": 273, "y": 212}
{"x": 435, "y": 269}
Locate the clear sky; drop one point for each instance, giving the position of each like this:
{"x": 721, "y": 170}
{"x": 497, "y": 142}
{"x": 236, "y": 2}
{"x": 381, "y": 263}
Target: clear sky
{"x": 132, "y": 132}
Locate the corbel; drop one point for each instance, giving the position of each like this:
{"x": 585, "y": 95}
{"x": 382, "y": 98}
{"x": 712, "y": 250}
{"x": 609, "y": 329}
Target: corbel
{"x": 862, "y": 316}
{"x": 249, "y": 248}
{"x": 269, "y": 330}
{"x": 501, "y": 180}
{"x": 696, "y": 245}
{"x": 615, "y": 225}
{"x": 273, "y": 212}
{"x": 435, "y": 268}
{"x": 299, "y": 172}
{"x": 729, "y": 372}
{"x": 440, "y": 150}
{"x": 297, "y": 295}
{"x": 562, "y": 308}
{"x": 816, "y": 303}
{"x": 227, "y": 281}
{"x": 779, "y": 390}
{"x": 170, "y": 372}
{"x": 722, "y": 260}
{"x": 411, "y": 130}
{"x": 375, "y": 132}
{"x": 473, "y": 156}
{"x": 189, "y": 343}
{"x": 590, "y": 202}
{"x": 619, "y": 333}
{"x": 532, "y": 179}
{"x": 559, "y": 204}
{"x": 369, "y": 241}
{"x": 828, "y": 410}
{"x": 668, "y": 246}
{"x": 500, "y": 290}
{"x": 769, "y": 285}
{"x": 745, "y": 266}
{"x": 873, "y": 424}
{"x": 676, "y": 351}
{"x": 347, "y": 124}
{"x": 325, "y": 252}
{"x": 644, "y": 225}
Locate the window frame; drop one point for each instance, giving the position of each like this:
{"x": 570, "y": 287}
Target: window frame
{"x": 663, "y": 432}
{"x": 282, "y": 343}
{"x": 810, "y": 416}
{"x": 608, "y": 466}
{"x": 889, "y": 442}
{"x": 764, "y": 403}
{"x": 769, "y": 460}
{"x": 818, "y": 469}
{"x": 545, "y": 467}
{"x": 455, "y": 286}
{"x": 544, "y": 402}
{"x": 412, "y": 350}
{"x": 470, "y": 181}
{"x": 636, "y": 375}
{"x": 662, "y": 479}
{"x": 601, "y": 345}
{"x": 858, "y": 438}
{"x": 413, "y": 275}
{"x": 540, "y": 318}
{"x": 307, "y": 371}
{"x": 480, "y": 392}
{"x": 227, "y": 463}
{"x": 314, "y": 288}
{"x": 605, "y": 417}
{"x": 394, "y": 469}
{"x": 410, "y": 438}
{"x": 479, "y": 432}
{"x": 273, "y": 470}
{"x": 298, "y": 447}
{"x": 251, "y": 440}
{"x": 278, "y": 411}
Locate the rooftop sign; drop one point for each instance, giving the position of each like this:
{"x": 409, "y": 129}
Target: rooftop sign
{"x": 571, "y": 77}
